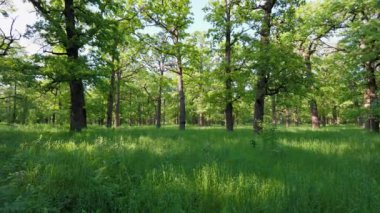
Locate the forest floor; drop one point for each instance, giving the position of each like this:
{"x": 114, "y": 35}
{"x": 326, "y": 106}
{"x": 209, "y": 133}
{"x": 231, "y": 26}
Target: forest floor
{"x": 334, "y": 169}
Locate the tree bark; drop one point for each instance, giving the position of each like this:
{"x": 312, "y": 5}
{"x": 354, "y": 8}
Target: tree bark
{"x": 158, "y": 110}
{"x": 371, "y": 99}
{"x": 181, "y": 94}
{"x": 287, "y": 118}
{"x": 159, "y": 98}
{"x": 111, "y": 95}
{"x": 78, "y": 119}
{"x": 78, "y": 112}
{"x": 297, "y": 117}
{"x": 180, "y": 86}
{"x": 261, "y": 84}
{"x": 201, "y": 119}
{"x": 14, "y": 113}
{"x": 315, "y": 123}
{"x": 117, "y": 99}
{"x": 259, "y": 105}
{"x": 335, "y": 115}
{"x": 274, "y": 112}
{"x": 139, "y": 116}
{"x": 228, "y": 111}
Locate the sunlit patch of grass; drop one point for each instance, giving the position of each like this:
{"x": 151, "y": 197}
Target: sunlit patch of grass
{"x": 200, "y": 169}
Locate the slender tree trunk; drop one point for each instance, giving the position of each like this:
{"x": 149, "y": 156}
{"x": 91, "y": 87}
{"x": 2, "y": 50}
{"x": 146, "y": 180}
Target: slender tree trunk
{"x": 111, "y": 95}
{"x": 139, "y": 112}
{"x": 228, "y": 111}
{"x": 181, "y": 94}
{"x": 297, "y": 117}
{"x": 78, "y": 111}
{"x": 262, "y": 81}
{"x": 323, "y": 120}
{"x": 287, "y": 118}
{"x": 56, "y": 100}
{"x": 117, "y": 99}
{"x": 201, "y": 120}
{"x": 182, "y": 109}
{"x": 163, "y": 113}
{"x": 274, "y": 112}
{"x": 14, "y": 103}
{"x": 371, "y": 99}
{"x": 159, "y": 98}
{"x": 335, "y": 115}
{"x": 158, "y": 110}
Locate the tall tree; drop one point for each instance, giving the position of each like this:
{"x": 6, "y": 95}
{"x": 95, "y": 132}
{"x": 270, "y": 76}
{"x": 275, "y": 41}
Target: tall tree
{"x": 173, "y": 18}
{"x": 276, "y": 64}
{"x": 361, "y": 42}
{"x": 228, "y": 17}
{"x": 315, "y": 22}
{"x": 71, "y": 31}
{"x": 265, "y": 30}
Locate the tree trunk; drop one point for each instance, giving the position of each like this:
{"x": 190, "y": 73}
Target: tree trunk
{"x": 228, "y": 111}
{"x": 371, "y": 99}
{"x": 78, "y": 111}
{"x": 111, "y": 95}
{"x": 182, "y": 109}
{"x": 181, "y": 95}
{"x": 201, "y": 120}
{"x": 159, "y": 99}
{"x": 163, "y": 113}
{"x": 14, "y": 103}
{"x": 323, "y": 120}
{"x": 297, "y": 117}
{"x": 274, "y": 112}
{"x": 56, "y": 100}
{"x": 261, "y": 84}
{"x": 335, "y": 115}
{"x": 139, "y": 112}
{"x": 117, "y": 99}
{"x": 287, "y": 118}
{"x": 259, "y": 105}
{"x": 158, "y": 111}
{"x": 315, "y": 123}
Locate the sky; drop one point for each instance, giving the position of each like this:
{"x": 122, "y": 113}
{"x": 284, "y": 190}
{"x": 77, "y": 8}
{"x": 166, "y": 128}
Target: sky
{"x": 25, "y": 15}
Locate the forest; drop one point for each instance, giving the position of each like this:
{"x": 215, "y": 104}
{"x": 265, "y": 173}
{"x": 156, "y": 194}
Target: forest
{"x": 123, "y": 107}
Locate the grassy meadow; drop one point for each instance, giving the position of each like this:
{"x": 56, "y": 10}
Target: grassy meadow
{"x": 45, "y": 169}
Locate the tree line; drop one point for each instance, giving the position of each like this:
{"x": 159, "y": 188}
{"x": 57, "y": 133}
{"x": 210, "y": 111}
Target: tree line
{"x": 135, "y": 62}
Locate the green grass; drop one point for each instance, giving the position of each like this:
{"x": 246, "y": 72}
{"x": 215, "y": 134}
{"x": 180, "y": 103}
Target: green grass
{"x": 335, "y": 169}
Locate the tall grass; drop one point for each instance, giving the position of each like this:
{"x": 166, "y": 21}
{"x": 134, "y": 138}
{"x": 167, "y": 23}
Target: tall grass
{"x": 334, "y": 169}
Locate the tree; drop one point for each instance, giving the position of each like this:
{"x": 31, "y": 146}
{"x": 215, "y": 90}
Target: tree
{"x": 361, "y": 44}
{"x": 228, "y": 18}
{"x": 272, "y": 62}
{"x": 122, "y": 22}
{"x": 173, "y": 18}
{"x": 316, "y": 21}
{"x": 71, "y": 32}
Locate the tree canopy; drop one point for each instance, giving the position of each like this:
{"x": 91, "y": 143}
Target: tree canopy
{"x": 136, "y": 62}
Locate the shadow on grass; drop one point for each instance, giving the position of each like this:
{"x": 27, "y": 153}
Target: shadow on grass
{"x": 146, "y": 170}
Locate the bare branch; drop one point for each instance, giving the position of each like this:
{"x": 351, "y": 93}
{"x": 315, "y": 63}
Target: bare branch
{"x": 7, "y": 41}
